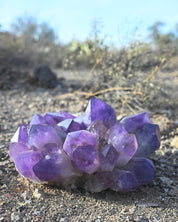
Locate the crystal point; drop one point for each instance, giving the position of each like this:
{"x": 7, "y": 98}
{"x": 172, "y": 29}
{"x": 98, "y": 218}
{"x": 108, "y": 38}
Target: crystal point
{"x": 108, "y": 158}
{"x": 25, "y": 162}
{"x": 125, "y": 143}
{"x": 148, "y": 138}
{"x": 39, "y": 135}
{"x": 99, "y": 110}
{"x": 134, "y": 122}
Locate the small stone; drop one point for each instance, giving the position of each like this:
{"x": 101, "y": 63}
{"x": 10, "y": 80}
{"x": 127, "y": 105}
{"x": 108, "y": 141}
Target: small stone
{"x": 25, "y": 194}
{"x": 154, "y": 219}
{"x": 64, "y": 219}
{"x": 36, "y": 194}
{"x": 174, "y": 142}
{"x": 15, "y": 217}
{"x": 141, "y": 219}
{"x": 28, "y": 202}
{"x": 43, "y": 76}
{"x": 166, "y": 181}
{"x": 2, "y": 163}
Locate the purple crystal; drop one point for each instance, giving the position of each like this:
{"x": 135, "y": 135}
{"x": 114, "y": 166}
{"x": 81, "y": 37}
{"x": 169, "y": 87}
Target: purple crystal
{"x": 60, "y": 133}
{"x": 20, "y": 135}
{"x": 25, "y": 161}
{"x": 148, "y": 138}
{"x": 16, "y": 148}
{"x": 36, "y": 120}
{"x": 83, "y": 120}
{"x": 85, "y": 158}
{"x": 123, "y": 180}
{"x": 123, "y": 142}
{"x": 93, "y": 150}
{"x": 50, "y": 148}
{"x": 55, "y": 166}
{"x": 39, "y": 135}
{"x": 78, "y": 139}
{"x": 81, "y": 146}
{"x": 50, "y": 118}
{"x": 70, "y": 125}
{"x": 47, "y": 168}
{"x": 98, "y": 130}
{"x": 99, "y": 110}
{"x": 142, "y": 168}
{"x": 53, "y": 118}
{"x": 108, "y": 158}
{"x": 99, "y": 181}
{"x": 134, "y": 122}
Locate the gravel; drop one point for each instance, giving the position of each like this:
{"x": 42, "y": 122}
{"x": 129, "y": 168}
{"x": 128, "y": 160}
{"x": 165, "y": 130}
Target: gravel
{"x": 21, "y": 200}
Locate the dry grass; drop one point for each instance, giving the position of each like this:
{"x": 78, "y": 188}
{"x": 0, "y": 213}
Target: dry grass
{"x": 127, "y": 75}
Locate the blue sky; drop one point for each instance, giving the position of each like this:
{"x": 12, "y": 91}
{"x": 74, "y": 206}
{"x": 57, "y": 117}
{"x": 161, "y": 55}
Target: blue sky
{"x": 74, "y": 18}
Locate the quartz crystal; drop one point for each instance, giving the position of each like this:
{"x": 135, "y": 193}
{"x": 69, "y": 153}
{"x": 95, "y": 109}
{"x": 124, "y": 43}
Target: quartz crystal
{"x": 94, "y": 151}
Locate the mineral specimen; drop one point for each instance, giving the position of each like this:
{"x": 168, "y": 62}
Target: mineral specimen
{"x": 94, "y": 151}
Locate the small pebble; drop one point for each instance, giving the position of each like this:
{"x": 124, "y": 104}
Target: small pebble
{"x": 166, "y": 181}
{"x": 36, "y": 194}
{"x": 15, "y": 217}
{"x": 174, "y": 142}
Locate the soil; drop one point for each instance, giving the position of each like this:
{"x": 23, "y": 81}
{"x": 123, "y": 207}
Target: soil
{"x": 21, "y": 200}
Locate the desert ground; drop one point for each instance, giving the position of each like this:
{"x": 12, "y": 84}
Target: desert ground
{"x": 22, "y": 200}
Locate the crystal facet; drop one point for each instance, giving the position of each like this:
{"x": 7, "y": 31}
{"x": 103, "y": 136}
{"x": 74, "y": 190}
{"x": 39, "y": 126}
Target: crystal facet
{"x": 99, "y": 110}
{"x": 142, "y": 168}
{"x": 123, "y": 180}
{"x": 148, "y": 138}
{"x": 134, "y": 122}
{"x": 123, "y": 142}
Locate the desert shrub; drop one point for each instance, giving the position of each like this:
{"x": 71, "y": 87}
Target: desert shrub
{"x": 164, "y": 42}
{"x": 127, "y": 74}
{"x": 86, "y": 54}
{"x": 31, "y": 43}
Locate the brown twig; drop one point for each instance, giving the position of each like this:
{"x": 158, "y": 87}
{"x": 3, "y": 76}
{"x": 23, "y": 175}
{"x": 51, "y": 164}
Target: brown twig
{"x": 89, "y": 94}
{"x": 90, "y": 73}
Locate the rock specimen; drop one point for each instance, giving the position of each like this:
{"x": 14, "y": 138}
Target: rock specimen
{"x": 93, "y": 151}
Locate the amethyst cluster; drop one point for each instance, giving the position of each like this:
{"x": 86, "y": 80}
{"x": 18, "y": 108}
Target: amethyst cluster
{"x": 93, "y": 151}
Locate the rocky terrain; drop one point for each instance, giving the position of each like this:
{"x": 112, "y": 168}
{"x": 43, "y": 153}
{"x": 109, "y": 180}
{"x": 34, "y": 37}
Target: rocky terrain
{"x": 21, "y": 200}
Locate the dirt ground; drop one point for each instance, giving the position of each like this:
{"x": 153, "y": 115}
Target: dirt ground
{"x": 21, "y": 200}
